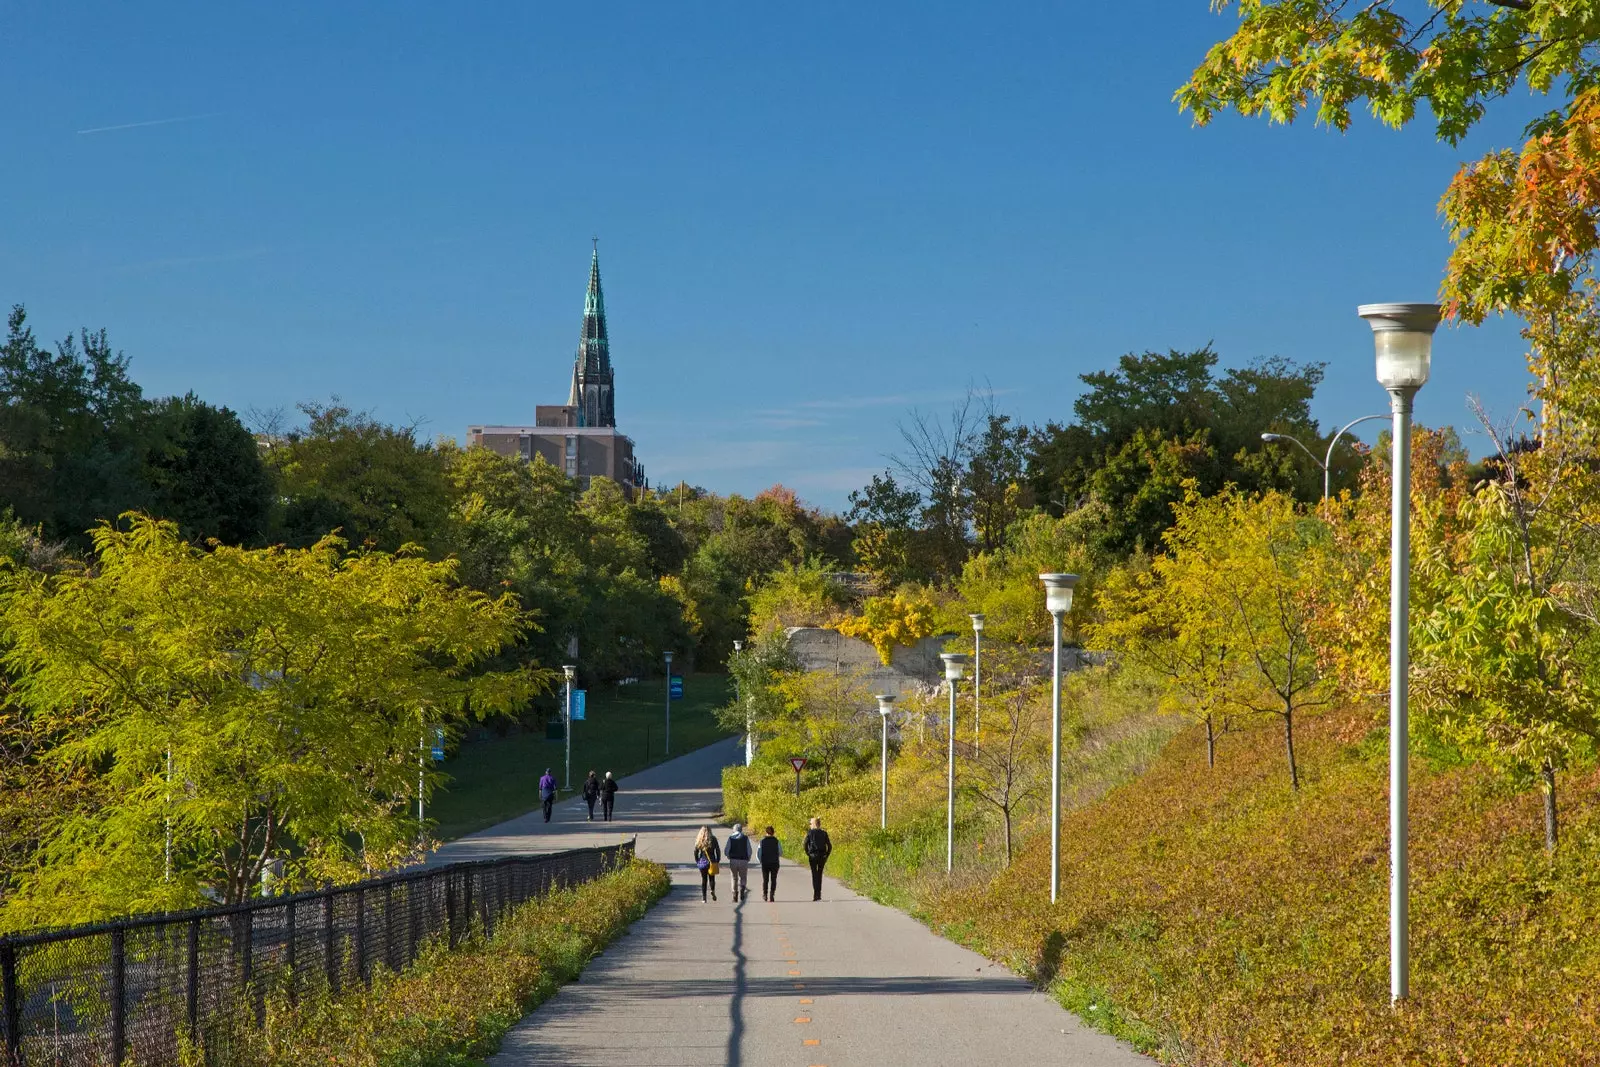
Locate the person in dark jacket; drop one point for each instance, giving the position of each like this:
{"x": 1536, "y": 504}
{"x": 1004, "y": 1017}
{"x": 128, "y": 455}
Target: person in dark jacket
{"x": 608, "y": 796}
{"x": 707, "y": 855}
{"x": 591, "y": 792}
{"x": 770, "y": 852}
{"x": 740, "y": 852}
{"x": 818, "y": 848}
{"x": 547, "y": 792}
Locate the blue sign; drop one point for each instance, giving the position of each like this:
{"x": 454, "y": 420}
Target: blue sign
{"x": 577, "y": 704}
{"x": 677, "y": 687}
{"x": 438, "y": 744}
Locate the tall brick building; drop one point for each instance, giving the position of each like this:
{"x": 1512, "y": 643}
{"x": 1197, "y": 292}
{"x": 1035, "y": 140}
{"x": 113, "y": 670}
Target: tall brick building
{"x": 579, "y": 437}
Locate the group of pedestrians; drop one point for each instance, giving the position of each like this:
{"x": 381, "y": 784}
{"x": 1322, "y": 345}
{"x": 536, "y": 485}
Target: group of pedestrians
{"x": 739, "y": 851}
{"x": 594, "y": 788}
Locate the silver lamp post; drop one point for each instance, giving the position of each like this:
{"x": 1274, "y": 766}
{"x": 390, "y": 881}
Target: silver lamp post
{"x": 885, "y": 708}
{"x": 1326, "y": 462}
{"x": 977, "y": 672}
{"x": 954, "y": 664}
{"x": 749, "y": 722}
{"x": 1058, "y": 601}
{"x": 572, "y": 674}
{"x": 667, "y": 750}
{"x": 1403, "y": 337}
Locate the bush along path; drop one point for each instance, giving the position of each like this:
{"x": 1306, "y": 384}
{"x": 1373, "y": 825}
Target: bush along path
{"x": 452, "y": 1007}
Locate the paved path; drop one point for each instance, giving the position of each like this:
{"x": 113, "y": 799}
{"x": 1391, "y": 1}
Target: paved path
{"x": 837, "y": 983}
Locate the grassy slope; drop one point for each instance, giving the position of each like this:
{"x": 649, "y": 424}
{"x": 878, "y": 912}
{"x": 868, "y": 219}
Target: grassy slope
{"x": 495, "y": 780}
{"x": 1218, "y": 918}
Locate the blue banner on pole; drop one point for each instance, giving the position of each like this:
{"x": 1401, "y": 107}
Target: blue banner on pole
{"x": 438, "y": 744}
{"x": 677, "y": 687}
{"x": 578, "y": 696}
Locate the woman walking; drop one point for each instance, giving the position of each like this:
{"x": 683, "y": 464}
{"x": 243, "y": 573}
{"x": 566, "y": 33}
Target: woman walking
{"x": 707, "y": 855}
{"x": 591, "y": 792}
{"x": 739, "y": 852}
{"x": 818, "y": 848}
{"x": 770, "y": 852}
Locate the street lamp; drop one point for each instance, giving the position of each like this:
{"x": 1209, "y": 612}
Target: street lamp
{"x": 885, "y": 707}
{"x": 954, "y": 662}
{"x": 749, "y": 722}
{"x": 1326, "y": 463}
{"x": 1402, "y": 335}
{"x": 977, "y": 671}
{"x": 572, "y": 673}
{"x": 667, "y": 751}
{"x": 1058, "y": 601}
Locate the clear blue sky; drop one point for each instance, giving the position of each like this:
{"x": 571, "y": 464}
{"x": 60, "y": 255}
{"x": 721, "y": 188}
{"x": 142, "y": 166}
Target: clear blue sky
{"x": 812, "y": 217}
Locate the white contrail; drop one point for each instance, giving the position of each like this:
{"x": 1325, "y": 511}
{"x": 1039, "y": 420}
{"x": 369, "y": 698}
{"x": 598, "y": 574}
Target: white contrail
{"x": 151, "y": 122}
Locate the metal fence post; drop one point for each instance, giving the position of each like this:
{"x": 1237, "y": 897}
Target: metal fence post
{"x": 361, "y": 933}
{"x": 191, "y": 992}
{"x": 472, "y": 876}
{"x": 391, "y": 943}
{"x": 330, "y": 958}
{"x": 10, "y": 1004}
{"x": 119, "y": 1021}
{"x": 450, "y": 909}
{"x": 288, "y": 946}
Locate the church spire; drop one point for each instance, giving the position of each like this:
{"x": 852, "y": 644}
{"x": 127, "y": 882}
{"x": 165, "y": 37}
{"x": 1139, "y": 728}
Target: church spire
{"x": 591, "y": 368}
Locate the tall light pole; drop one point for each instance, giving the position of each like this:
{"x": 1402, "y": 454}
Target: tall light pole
{"x": 667, "y": 751}
{"x": 749, "y": 718}
{"x": 953, "y": 664}
{"x": 885, "y": 708}
{"x": 1326, "y": 462}
{"x": 572, "y": 673}
{"x": 1058, "y": 601}
{"x": 1403, "y": 337}
{"x": 977, "y": 672}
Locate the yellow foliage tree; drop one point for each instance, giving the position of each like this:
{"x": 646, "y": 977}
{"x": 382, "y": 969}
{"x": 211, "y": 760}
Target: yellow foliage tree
{"x": 886, "y": 621}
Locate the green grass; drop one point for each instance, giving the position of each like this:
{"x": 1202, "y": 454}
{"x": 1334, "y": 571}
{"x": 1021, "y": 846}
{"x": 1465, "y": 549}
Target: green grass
{"x": 497, "y": 779}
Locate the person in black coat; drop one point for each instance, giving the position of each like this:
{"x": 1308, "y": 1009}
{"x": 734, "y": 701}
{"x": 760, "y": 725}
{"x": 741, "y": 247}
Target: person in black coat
{"x": 818, "y": 848}
{"x": 591, "y": 792}
{"x": 608, "y": 796}
{"x": 770, "y": 852}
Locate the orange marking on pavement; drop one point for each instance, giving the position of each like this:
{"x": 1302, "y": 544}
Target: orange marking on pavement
{"x": 811, "y": 1041}
{"x": 794, "y": 972}
{"x": 807, "y": 1000}
{"x": 802, "y": 1018}
{"x": 799, "y": 985}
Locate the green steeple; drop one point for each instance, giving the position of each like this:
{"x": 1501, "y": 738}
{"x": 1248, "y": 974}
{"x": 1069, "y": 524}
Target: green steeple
{"x": 592, "y": 380}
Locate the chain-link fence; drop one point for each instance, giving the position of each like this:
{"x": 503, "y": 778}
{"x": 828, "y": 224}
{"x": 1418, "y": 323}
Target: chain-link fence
{"x": 134, "y": 990}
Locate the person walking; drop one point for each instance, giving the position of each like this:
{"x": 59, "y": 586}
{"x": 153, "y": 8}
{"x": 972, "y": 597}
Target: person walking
{"x": 738, "y": 851}
{"x": 547, "y": 792}
{"x": 608, "y": 796}
{"x": 818, "y": 848}
{"x": 770, "y": 852}
{"x": 591, "y": 792}
{"x": 707, "y": 855}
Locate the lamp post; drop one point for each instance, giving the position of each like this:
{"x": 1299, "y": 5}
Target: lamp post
{"x": 572, "y": 674}
{"x": 1058, "y": 601}
{"x": 1326, "y": 463}
{"x": 1402, "y": 335}
{"x": 667, "y": 750}
{"x": 749, "y": 722}
{"x": 977, "y": 672}
{"x": 885, "y": 707}
{"x": 954, "y": 662}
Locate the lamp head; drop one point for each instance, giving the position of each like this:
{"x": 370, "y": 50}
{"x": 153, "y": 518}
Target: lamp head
{"x": 738, "y": 646}
{"x": 668, "y": 657}
{"x": 1058, "y": 592}
{"x": 1403, "y": 337}
{"x": 1272, "y": 437}
{"x": 977, "y": 623}
{"x": 570, "y": 671}
{"x": 954, "y": 665}
{"x": 885, "y": 704}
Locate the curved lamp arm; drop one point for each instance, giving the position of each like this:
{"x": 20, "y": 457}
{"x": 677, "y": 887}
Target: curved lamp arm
{"x": 1327, "y": 464}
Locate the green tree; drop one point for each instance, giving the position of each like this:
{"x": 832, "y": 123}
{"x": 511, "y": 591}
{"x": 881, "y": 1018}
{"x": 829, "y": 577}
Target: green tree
{"x": 203, "y": 470}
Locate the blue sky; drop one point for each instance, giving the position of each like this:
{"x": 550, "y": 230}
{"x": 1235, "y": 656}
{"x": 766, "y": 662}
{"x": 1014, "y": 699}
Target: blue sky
{"x": 812, "y": 217}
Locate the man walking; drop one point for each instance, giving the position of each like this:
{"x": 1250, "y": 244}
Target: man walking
{"x": 591, "y": 792}
{"x": 771, "y": 852}
{"x": 818, "y": 848}
{"x": 608, "y": 796}
{"x": 738, "y": 851}
{"x": 547, "y": 792}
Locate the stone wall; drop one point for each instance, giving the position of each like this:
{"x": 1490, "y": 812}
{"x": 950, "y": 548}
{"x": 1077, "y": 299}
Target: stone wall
{"x": 917, "y": 667}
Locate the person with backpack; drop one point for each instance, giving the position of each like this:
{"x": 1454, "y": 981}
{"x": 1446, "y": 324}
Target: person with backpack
{"x": 738, "y": 851}
{"x": 591, "y": 792}
{"x": 770, "y": 852}
{"x": 547, "y": 792}
{"x": 817, "y": 848}
{"x": 707, "y": 855}
{"x": 608, "y": 796}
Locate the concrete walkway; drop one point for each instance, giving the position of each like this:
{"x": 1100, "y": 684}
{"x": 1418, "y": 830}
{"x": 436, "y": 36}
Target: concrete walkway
{"x": 837, "y": 983}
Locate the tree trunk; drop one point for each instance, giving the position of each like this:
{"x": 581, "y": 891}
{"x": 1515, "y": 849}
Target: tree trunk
{"x": 1288, "y": 744}
{"x": 1211, "y": 744}
{"x": 1551, "y": 828}
{"x": 1005, "y": 816}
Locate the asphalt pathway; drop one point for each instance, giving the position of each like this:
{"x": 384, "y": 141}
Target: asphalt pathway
{"x": 797, "y": 983}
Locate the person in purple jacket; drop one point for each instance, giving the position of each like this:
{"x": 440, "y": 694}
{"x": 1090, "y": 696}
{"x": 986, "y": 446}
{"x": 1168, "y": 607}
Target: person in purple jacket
{"x": 547, "y": 792}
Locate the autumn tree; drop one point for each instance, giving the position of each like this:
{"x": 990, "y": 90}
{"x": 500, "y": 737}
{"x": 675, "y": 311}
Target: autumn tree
{"x": 1008, "y": 768}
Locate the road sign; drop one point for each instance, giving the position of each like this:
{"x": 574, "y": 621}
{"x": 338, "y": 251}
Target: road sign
{"x": 438, "y": 744}
{"x": 578, "y": 704}
{"x": 798, "y": 763}
{"x": 677, "y": 687}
